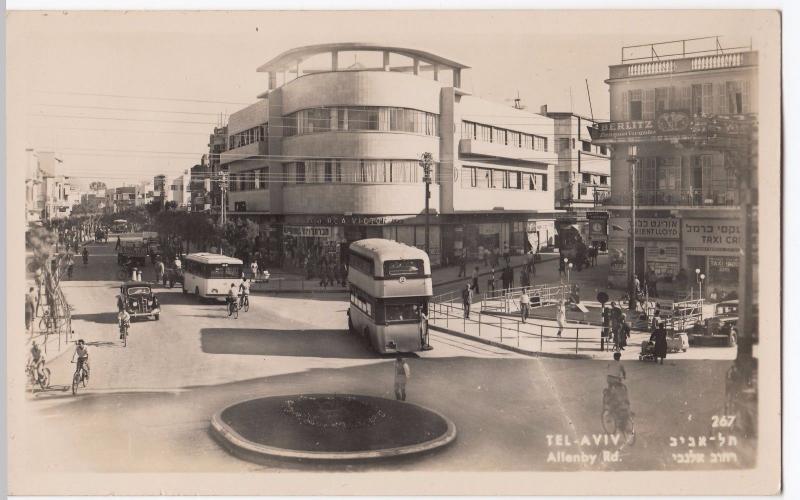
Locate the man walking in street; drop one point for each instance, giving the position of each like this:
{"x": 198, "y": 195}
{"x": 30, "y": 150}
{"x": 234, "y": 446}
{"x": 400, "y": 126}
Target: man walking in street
{"x": 159, "y": 270}
{"x": 30, "y": 310}
{"x": 524, "y": 304}
{"x": 466, "y": 297}
{"x": 462, "y": 264}
{"x": 402, "y": 372}
{"x": 475, "y": 287}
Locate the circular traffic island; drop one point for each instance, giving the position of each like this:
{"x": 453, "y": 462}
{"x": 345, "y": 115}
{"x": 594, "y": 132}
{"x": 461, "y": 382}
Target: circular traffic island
{"x": 330, "y": 427}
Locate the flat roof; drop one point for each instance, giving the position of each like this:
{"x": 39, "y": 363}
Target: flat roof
{"x": 288, "y": 59}
{"x": 379, "y": 247}
{"x": 213, "y": 258}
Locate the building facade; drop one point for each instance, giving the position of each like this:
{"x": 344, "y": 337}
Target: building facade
{"x": 331, "y": 154}
{"x": 682, "y": 125}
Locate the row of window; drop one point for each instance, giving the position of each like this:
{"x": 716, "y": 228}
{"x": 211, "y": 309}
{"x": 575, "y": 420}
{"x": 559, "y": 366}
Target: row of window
{"x": 707, "y": 98}
{"x": 250, "y": 180}
{"x": 671, "y": 173}
{"x": 494, "y": 178}
{"x": 362, "y": 301}
{"x": 487, "y": 133}
{"x": 213, "y": 270}
{"x": 356, "y": 171}
{"x": 249, "y": 136}
{"x": 351, "y": 118}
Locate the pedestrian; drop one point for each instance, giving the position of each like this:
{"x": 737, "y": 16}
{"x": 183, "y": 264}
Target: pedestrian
{"x": 159, "y": 270}
{"x": 651, "y": 279}
{"x": 510, "y": 277}
{"x": 487, "y": 256}
{"x": 30, "y": 310}
{"x": 39, "y": 284}
{"x": 525, "y": 277}
{"x": 562, "y": 268}
{"x": 661, "y": 342}
{"x": 507, "y": 254}
{"x": 254, "y": 268}
{"x": 462, "y": 264}
{"x": 475, "y": 287}
{"x": 466, "y": 297}
{"x": 561, "y": 316}
{"x": 524, "y": 304}
{"x": 402, "y": 372}
{"x": 617, "y": 317}
{"x": 490, "y": 283}
{"x": 605, "y": 339}
{"x": 423, "y": 328}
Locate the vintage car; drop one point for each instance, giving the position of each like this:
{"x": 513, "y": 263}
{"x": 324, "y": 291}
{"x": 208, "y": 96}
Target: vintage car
{"x": 720, "y": 329}
{"x": 132, "y": 253}
{"x": 139, "y": 300}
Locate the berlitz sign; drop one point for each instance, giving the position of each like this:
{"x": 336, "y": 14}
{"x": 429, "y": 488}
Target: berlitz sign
{"x": 674, "y": 125}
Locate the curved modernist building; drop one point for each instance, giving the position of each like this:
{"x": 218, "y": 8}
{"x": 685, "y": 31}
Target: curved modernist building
{"x": 330, "y": 154}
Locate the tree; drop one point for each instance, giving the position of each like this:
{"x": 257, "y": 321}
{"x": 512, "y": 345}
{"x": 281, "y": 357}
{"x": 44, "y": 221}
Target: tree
{"x": 41, "y": 241}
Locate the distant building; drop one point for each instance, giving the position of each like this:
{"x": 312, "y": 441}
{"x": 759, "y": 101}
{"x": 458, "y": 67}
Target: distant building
{"x": 200, "y": 187}
{"x": 217, "y": 144}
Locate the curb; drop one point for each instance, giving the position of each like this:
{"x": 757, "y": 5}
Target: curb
{"x": 534, "y": 354}
{"x": 244, "y": 448}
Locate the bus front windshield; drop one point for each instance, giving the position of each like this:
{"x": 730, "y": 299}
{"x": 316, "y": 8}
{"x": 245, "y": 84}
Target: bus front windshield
{"x": 402, "y": 312}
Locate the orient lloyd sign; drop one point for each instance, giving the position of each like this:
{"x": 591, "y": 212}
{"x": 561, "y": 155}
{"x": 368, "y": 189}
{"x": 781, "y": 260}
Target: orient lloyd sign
{"x": 666, "y": 126}
{"x": 712, "y": 236}
{"x": 666, "y": 228}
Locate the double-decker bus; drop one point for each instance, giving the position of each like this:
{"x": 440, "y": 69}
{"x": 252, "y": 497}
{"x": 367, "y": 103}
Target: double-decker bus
{"x": 390, "y": 285}
{"x": 210, "y": 275}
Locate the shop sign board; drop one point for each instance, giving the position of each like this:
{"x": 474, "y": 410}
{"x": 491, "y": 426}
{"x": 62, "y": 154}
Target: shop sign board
{"x": 670, "y": 126}
{"x": 308, "y": 231}
{"x": 712, "y": 236}
{"x": 648, "y": 228}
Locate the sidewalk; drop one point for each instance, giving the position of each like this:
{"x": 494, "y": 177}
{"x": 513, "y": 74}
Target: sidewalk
{"x": 538, "y": 336}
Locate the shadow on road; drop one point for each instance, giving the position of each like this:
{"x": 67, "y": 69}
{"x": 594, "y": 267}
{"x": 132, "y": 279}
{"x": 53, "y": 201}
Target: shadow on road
{"x": 268, "y": 342}
{"x": 105, "y": 318}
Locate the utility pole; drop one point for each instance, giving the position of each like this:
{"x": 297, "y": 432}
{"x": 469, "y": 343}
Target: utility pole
{"x": 632, "y": 160}
{"x": 427, "y": 162}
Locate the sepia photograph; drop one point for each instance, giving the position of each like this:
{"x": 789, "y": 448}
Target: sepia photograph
{"x": 356, "y": 252}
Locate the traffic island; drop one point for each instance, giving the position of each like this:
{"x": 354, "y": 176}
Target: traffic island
{"x": 329, "y": 427}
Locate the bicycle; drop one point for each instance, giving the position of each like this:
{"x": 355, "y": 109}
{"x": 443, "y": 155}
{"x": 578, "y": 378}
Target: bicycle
{"x": 244, "y": 302}
{"x": 123, "y": 330}
{"x": 233, "y": 309}
{"x": 42, "y": 378}
{"x": 81, "y": 377}
{"x": 46, "y": 323}
{"x": 618, "y": 419}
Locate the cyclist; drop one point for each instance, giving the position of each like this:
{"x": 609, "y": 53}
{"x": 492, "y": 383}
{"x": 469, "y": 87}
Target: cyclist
{"x": 244, "y": 292}
{"x": 36, "y": 360}
{"x": 85, "y": 256}
{"x": 82, "y": 353}
{"x": 231, "y": 299}
{"x": 615, "y": 374}
{"x": 124, "y": 320}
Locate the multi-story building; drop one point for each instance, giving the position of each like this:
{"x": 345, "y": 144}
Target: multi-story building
{"x": 331, "y": 154}
{"x": 217, "y": 144}
{"x": 682, "y": 124}
{"x": 200, "y": 187}
{"x": 127, "y": 197}
{"x": 34, "y": 191}
{"x": 178, "y": 190}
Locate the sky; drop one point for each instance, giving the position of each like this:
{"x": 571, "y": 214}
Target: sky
{"x": 124, "y": 96}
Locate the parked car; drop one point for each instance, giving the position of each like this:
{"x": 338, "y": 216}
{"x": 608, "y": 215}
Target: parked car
{"x": 720, "y": 329}
{"x": 139, "y": 300}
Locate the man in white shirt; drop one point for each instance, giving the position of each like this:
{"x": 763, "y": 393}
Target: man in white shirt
{"x": 524, "y": 304}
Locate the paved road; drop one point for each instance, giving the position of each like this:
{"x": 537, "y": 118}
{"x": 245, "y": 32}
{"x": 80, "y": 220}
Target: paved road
{"x": 148, "y": 405}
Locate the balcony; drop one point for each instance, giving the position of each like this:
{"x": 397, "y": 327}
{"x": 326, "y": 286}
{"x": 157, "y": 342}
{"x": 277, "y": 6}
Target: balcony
{"x": 683, "y": 198}
{"x": 472, "y": 147}
{"x": 254, "y": 149}
{"x": 683, "y": 65}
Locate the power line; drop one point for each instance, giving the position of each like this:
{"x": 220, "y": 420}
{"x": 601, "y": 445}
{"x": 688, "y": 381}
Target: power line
{"x": 120, "y": 130}
{"x": 124, "y": 96}
{"x": 113, "y": 108}
{"x": 79, "y": 117}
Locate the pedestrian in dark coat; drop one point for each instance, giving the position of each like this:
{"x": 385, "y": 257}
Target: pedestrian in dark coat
{"x": 661, "y": 342}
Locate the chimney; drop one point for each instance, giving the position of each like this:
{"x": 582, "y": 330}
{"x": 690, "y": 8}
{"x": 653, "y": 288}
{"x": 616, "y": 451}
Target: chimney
{"x": 543, "y": 109}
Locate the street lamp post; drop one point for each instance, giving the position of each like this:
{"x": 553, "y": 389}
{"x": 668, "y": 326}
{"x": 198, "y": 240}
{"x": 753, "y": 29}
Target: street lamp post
{"x": 426, "y": 162}
{"x": 632, "y": 160}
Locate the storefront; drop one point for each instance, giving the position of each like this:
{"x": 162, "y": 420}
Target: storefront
{"x": 713, "y": 246}
{"x": 658, "y": 248}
